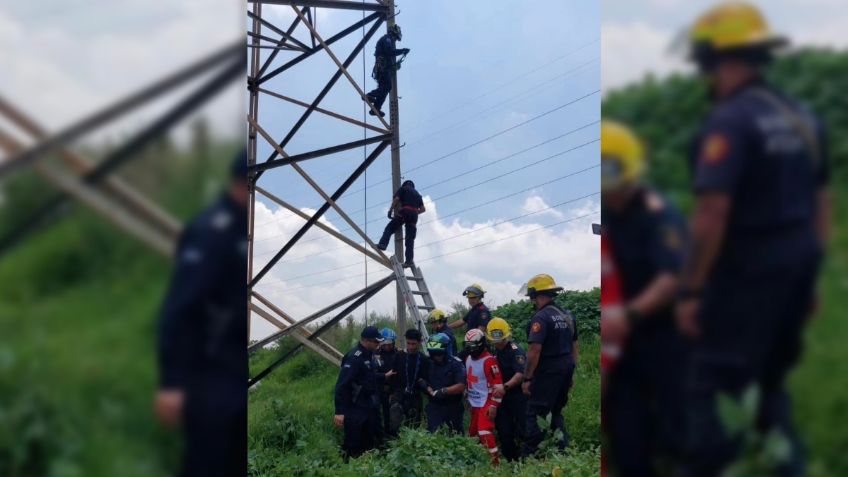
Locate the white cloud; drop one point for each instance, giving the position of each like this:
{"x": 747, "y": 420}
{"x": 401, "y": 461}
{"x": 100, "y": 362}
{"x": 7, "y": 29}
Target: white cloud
{"x": 535, "y": 203}
{"x": 633, "y": 49}
{"x": 59, "y": 74}
{"x": 508, "y": 254}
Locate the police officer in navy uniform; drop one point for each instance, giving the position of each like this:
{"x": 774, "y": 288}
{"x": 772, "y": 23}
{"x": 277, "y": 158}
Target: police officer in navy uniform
{"x": 202, "y": 335}
{"x": 439, "y": 324}
{"x": 357, "y": 398}
{"x": 643, "y": 404}
{"x": 512, "y": 413}
{"x": 406, "y": 205}
{"x": 386, "y": 357}
{"x": 385, "y": 62}
{"x": 410, "y": 366}
{"x": 759, "y": 225}
{"x": 552, "y": 355}
{"x": 444, "y": 384}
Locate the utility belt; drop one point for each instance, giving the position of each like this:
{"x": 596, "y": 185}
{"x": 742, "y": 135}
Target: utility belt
{"x": 380, "y": 67}
{"x": 409, "y": 208}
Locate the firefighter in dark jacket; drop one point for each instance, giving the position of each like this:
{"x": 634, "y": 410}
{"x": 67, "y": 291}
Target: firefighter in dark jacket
{"x": 357, "y": 399}
{"x": 439, "y": 324}
{"x": 385, "y": 64}
{"x": 512, "y": 413}
{"x": 552, "y": 354}
{"x": 478, "y": 314}
{"x": 758, "y": 234}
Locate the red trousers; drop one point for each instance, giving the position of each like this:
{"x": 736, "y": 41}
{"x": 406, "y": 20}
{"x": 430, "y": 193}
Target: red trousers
{"x": 484, "y": 428}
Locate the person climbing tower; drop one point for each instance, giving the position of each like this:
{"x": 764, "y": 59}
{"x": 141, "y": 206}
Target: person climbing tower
{"x": 385, "y": 63}
{"x": 406, "y": 205}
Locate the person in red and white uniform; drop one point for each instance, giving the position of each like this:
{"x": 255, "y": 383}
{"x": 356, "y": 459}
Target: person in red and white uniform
{"x": 483, "y": 378}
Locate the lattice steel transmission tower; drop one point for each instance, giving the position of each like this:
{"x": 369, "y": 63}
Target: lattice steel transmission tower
{"x": 287, "y": 53}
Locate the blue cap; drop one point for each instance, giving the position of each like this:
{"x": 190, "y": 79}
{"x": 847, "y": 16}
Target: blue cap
{"x": 371, "y": 333}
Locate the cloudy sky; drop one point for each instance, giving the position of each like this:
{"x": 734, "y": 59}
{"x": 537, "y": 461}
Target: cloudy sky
{"x": 495, "y": 215}
{"x": 637, "y": 34}
{"x": 65, "y": 59}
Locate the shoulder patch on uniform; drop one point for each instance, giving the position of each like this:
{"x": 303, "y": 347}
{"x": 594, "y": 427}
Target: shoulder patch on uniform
{"x": 536, "y": 327}
{"x": 715, "y": 149}
{"x": 514, "y": 346}
{"x": 520, "y": 359}
{"x": 357, "y": 353}
{"x": 191, "y": 255}
{"x": 221, "y": 220}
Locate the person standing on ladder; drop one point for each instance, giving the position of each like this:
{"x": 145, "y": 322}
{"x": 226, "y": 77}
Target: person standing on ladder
{"x": 385, "y": 63}
{"x": 406, "y": 205}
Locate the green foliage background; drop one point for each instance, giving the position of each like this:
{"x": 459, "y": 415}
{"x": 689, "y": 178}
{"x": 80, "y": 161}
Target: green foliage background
{"x": 78, "y": 307}
{"x": 667, "y": 114}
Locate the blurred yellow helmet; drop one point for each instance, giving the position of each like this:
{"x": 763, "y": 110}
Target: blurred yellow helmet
{"x": 497, "y": 330}
{"x": 540, "y": 284}
{"x": 733, "y": 25}
{"x": 622, "y": 156}
{"x": 436, "y": 315}
{"x": 474, "y": 291}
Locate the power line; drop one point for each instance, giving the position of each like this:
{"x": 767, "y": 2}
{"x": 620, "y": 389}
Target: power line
{"x": 476, "y": 143}
{"x": 533, "y": 89}
{"x": 488, "y": 164}
{"x": 436, "y": 242}
{"x": 464, "y": 189}
{"x": 455, "y": 251}
{"x": 519, "y": 169}
{"x": 502, "y": 85}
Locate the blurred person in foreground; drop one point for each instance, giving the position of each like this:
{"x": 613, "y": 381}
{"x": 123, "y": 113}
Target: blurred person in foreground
{"x": 643, "y": 404}
{"x": 202, "y": 336}
{"x": 759, "y": 227}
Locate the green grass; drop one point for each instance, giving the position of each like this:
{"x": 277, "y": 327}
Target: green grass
{"x": 820, "y": 384}
{"x": 80, "y": 376}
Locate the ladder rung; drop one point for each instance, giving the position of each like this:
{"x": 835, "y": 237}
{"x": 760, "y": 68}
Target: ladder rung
{"x": 417, "y": 292}
{"x": 426, "y": 308}
{"x": 415, "y": 278}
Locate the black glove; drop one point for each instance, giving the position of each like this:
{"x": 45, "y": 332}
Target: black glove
{"x": 389, "y": 213}
{"x": 439, "y": 394}
{"x": 406, "y": 51}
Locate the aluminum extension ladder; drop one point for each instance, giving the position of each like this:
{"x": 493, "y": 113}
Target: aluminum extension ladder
{"x": 409, "y": 294}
